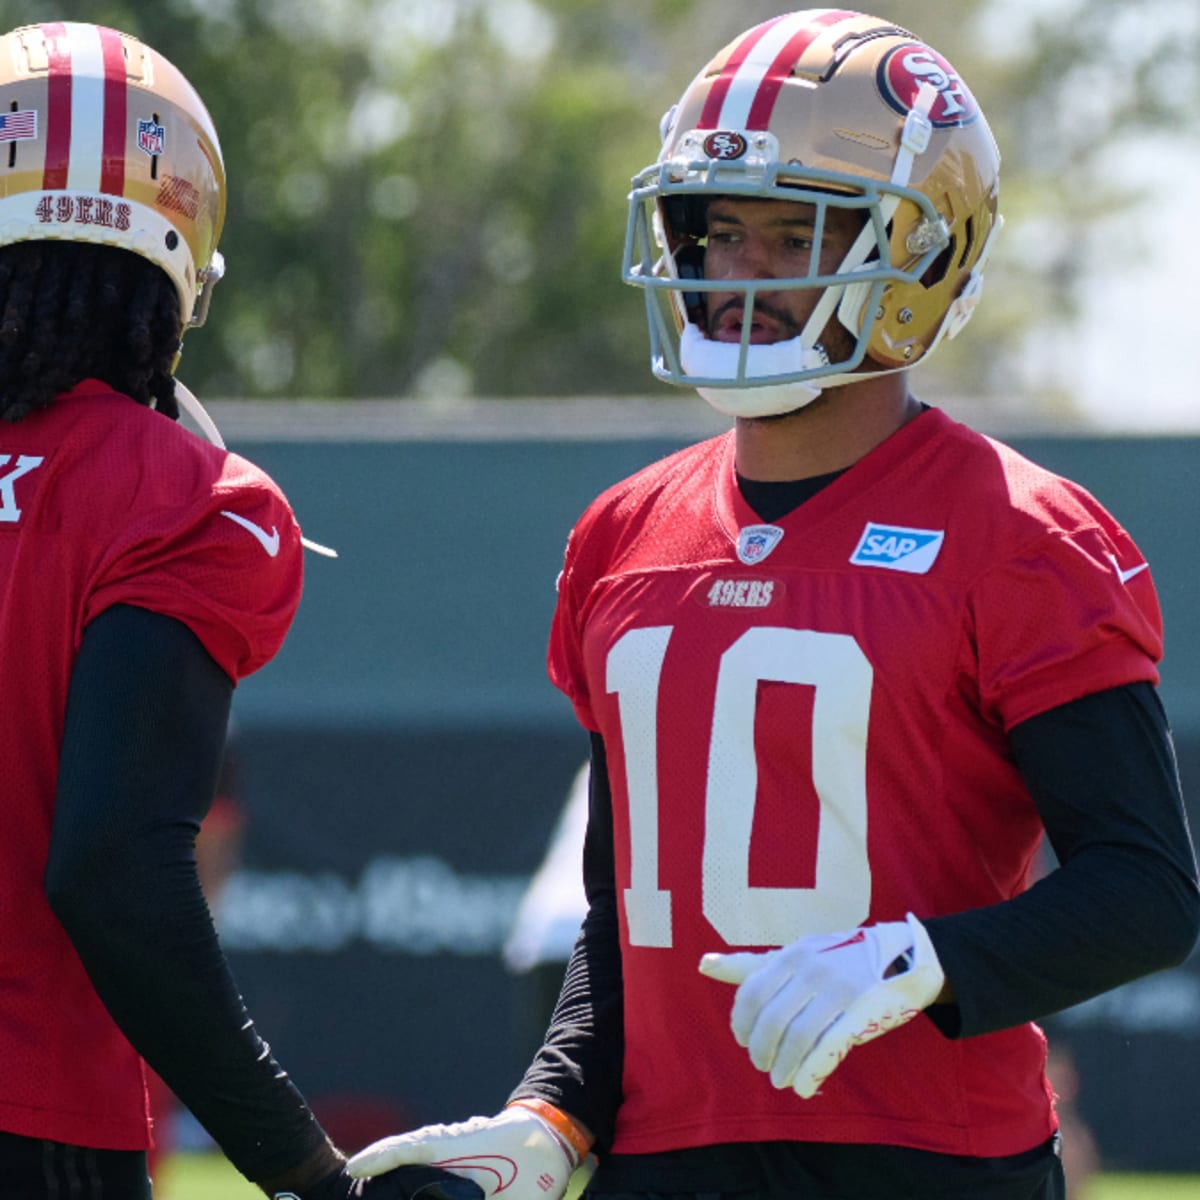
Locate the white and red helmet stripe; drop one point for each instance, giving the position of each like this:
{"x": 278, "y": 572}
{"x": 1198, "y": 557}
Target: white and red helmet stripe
{"x": 87, "y": 109}
{"x": 744, "y": 95}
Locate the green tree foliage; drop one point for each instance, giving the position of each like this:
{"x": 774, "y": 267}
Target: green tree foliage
{"x": 424, "y": 195}
{"x": 428, "y": 196}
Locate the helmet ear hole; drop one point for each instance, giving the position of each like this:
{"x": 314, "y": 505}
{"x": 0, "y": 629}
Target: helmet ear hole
{"x": 940, "y": 267}
{"x": 968, "y": 242}
{"x": 936, "y": 271}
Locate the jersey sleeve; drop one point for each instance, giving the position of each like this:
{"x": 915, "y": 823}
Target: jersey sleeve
{"x": 228, "y": 564}
{"x": 1071, "y": 613}
{"x": 565, "y": 655}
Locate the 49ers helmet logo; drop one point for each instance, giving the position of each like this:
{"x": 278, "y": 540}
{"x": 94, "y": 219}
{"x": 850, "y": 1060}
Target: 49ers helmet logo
{"x": 725, "y": 144}
{"x": 907, "y": 67}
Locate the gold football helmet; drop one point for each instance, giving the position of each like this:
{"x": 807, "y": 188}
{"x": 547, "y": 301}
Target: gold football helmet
{"x": 835, "y": 110}
{"x": 103, "y": 140}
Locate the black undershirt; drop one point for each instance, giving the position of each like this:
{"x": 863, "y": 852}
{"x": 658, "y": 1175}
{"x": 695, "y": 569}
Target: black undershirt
{"x": 772, "y": 500}
{"x": 1124, "y": 901}
{"x": 142, "y": 748}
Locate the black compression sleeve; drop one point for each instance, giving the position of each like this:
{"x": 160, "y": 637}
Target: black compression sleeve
{"x": 145, "y": 731}
{"x": 1124, "y": 900}
{"x": 580, "y": 1063}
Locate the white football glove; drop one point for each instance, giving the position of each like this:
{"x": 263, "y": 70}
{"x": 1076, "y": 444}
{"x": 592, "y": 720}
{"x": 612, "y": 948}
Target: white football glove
{"x": 801, "y": 1009}
{"x": 516, "y": 1153}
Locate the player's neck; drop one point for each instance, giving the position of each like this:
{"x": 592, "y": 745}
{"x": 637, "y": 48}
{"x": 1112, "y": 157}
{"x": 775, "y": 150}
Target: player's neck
{"x": 833, "y": 432}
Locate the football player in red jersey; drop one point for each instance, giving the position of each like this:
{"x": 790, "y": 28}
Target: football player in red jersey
{"x": 842, "y": 668}
{"x": 145, "y": 571}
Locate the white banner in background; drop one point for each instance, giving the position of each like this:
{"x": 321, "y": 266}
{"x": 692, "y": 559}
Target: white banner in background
{"x": 416, "y": 906}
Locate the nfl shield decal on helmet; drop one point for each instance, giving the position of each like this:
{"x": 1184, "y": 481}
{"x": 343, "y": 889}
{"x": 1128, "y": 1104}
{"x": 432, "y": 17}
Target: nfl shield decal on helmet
{"x": 755, "y": 542}
{"x": 152, "y": 137}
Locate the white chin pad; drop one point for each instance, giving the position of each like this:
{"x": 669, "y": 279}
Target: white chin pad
{"x": 704, "y": 358}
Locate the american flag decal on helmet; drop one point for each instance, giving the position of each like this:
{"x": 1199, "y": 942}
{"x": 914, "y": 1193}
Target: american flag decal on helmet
{"x": 85, "y": 109}
{"x": 17, "y": 126}
{"x": 744, "y": 96}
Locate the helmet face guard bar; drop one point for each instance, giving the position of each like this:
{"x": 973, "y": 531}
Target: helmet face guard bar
{"x": 207, "y": 278}
{"x": 854, "y": 291}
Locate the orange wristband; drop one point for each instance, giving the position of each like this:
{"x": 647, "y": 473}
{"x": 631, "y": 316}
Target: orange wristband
{"x": 566, "y": 1127}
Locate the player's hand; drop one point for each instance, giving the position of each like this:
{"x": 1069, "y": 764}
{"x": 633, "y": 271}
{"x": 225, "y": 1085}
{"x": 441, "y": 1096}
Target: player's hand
{"x": 516, "y": 1153}
{"x": 408, "y": 1183}
{"x": 801, "y": 1009}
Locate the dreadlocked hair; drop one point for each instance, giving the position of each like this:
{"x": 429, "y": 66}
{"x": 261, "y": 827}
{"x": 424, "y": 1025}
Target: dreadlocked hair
{"x": 74, "y": 310}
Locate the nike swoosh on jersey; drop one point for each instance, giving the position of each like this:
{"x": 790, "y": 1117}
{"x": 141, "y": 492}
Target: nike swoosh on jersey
{"x": 1127, "y": 575}
{"x": 268, "y": 541}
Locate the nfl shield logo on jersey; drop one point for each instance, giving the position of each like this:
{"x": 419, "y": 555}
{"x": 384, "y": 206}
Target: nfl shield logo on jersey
{"x": 152, "y": 137}
{"x": 755, "y": 542}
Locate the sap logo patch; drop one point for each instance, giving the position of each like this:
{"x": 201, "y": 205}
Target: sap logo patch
{"x": 898, "y": 548}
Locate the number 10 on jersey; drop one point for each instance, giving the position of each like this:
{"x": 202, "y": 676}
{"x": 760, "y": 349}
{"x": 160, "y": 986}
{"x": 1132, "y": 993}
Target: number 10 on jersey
{"x": 835, "y": 666}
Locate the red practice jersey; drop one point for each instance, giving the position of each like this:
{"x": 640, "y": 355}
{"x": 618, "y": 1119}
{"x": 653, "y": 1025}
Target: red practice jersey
{"x": 103, "y": 502}
{"x": 805, "y": 725}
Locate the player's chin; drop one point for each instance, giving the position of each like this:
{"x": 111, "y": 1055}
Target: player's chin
{"x": 814, "y": 405}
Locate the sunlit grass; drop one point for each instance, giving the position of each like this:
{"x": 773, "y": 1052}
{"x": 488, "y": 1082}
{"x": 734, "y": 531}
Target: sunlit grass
{"x": 210, "y": 1177}
{"x": 1113, "y": 1186}
{"x": 202, "y": 1177}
